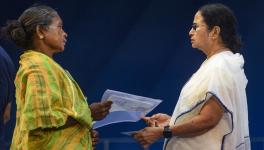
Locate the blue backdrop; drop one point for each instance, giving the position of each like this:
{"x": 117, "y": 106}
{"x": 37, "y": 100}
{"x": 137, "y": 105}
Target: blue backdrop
{"x": 142, "y": 47}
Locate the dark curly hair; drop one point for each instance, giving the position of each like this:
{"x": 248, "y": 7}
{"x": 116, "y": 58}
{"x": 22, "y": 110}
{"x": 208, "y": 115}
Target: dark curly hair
{"x": 222, "y": 16}
{"x": 22, "y": 30}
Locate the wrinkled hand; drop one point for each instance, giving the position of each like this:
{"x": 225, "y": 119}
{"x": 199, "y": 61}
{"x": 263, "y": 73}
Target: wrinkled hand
{"x": 150, "y": 122}
{"x": 148, "y": 136}
{"x": 100, "y": 110}
{"x": 157, "y": 120}
{"x": 95, "y": 138}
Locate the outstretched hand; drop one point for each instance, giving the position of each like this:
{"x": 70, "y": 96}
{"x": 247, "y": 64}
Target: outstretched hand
{"x": 157, "y": 120}
{"x": 100, "y": 110}
{"x": 148, "y": 136}
{"x": 150, "y": 122}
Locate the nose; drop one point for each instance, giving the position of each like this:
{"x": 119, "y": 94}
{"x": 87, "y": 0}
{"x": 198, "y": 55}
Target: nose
{"x": 191, "y": 32}
{"x": 65, "y": 34}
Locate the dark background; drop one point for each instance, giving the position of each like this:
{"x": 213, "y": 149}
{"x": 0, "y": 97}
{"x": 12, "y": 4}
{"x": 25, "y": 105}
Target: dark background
{"x": 142, "y": 47}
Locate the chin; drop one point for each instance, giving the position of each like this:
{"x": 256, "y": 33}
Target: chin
{"x": 60, "y": 50}
{"x": 193, "y": 46}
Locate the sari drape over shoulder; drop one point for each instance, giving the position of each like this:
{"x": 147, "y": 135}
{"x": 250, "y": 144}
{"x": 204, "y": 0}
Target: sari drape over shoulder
{"x": 222, "y": 76}
{"x": 46, "y": 95}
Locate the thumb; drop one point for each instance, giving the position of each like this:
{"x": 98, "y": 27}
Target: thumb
{"x": 146, "y": 119}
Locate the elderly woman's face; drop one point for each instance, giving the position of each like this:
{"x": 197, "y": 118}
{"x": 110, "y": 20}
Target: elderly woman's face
{"x": 199, "y": 33}
{"x": 55, "y": 37}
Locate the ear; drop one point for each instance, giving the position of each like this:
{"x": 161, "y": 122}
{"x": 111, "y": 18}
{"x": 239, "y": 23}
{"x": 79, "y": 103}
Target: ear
{"x": 215, "y": 32}
{"x": 40, "y": 32}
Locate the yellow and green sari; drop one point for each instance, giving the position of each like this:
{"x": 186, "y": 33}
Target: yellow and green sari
{"x": 46, "y": 95}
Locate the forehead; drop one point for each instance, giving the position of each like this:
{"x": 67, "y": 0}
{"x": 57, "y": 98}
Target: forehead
{"x": 56, "y": 20}
{"x": 198, "y": 18}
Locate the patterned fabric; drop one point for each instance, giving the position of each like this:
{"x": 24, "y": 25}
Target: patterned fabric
{"x": 46, "y": 96}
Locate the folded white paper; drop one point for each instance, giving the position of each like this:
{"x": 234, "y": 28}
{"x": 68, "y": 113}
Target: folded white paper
{"x": 129, "y": 133}
{"x": 126, "y": 107}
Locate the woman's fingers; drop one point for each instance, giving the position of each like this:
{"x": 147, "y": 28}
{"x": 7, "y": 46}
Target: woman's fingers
{"x": 95, "y": 138}
{"x": 150, "y": 122}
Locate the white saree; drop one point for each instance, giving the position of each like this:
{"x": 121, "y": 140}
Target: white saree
{"x": 222, "y": 76}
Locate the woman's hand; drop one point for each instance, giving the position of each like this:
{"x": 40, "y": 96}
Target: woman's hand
{"x": 148, "y": 136}
{"x": 157, "y": 120}
{"x": 100, "y": 110}
{"x": 95, "y": 138}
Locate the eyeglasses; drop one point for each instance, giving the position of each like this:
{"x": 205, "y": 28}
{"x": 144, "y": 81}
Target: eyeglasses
{"x": 56, "y": 26}
{"x": 195, "y": 26}
{"x": 52, "y": 26}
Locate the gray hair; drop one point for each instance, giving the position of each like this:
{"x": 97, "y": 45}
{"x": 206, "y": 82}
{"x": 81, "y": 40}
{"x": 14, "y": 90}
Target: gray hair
{"x": 22, "y": 30}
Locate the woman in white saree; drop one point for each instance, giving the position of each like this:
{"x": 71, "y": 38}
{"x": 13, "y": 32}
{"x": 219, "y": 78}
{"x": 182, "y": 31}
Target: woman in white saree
{"x": 211, "y": 112}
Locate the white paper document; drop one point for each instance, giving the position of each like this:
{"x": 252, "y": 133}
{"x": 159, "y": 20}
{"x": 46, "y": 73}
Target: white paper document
{"x": 129, "y": 133}
{"x": 126, "y": 107}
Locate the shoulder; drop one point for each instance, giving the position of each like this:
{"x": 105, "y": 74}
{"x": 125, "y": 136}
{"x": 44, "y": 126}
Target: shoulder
{"x": 216, "y": 64}
{"x": 6, "y": 62}
{"x": 227, "y": 61}
{"x": 33, "y": 59}
{"x": 33, "y": 64}
{"x": 227, "y": 67}
{"x": 3, "y": 55}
